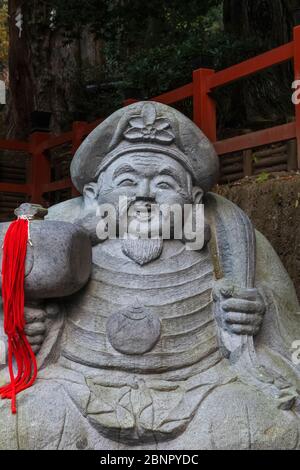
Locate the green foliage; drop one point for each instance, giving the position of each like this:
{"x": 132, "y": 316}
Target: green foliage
{"x": 151, "y": 47}
{"x": 148, "y": 46}
{"x": 160, "y": 57}
{"x": 134, "y": 20}
{"x": 162, "y": 68}
{"x": 262, "y": 177}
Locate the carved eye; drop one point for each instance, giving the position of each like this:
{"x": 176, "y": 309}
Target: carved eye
{"x": 126, "y": 182}
{"x": 164, "y": 185}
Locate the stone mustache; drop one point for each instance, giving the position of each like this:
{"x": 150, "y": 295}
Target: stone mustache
{"x": 143, "y": 343}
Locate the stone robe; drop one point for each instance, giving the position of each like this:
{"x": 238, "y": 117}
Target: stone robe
{"x": 186, "y": 393}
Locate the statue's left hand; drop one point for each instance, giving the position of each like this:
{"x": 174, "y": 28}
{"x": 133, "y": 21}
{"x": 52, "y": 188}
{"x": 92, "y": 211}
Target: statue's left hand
{"x": 242, "y": 309}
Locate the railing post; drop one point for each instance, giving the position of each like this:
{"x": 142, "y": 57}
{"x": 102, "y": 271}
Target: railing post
{"x": 248, "y": 162}
{"x": 40, "y": 169}
{"x": 297, "y": 77}
{"x": 203, "y": 104}
{"x": 79, "y": 129}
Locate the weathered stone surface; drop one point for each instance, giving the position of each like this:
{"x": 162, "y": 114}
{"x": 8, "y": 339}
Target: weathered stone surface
{"x": 59, "y": 261}
{"x": 133, "y": 330}
{"x": 280, "y": 224}
{"x": 164, "y": 347}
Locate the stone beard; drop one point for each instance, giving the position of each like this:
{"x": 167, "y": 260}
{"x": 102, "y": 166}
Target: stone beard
{"x": 142, "y": 251}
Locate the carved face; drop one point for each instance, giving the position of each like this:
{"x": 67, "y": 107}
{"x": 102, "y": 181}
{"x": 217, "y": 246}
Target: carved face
{"x": 148, "y": 180}
{"x": 147, "y": 175}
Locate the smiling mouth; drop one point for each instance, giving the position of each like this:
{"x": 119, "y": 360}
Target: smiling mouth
{"x": 143, "y": 212}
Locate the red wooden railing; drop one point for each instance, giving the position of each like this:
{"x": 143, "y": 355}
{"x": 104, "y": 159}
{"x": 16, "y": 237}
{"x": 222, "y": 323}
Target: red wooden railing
{"x": 204, "y": 115}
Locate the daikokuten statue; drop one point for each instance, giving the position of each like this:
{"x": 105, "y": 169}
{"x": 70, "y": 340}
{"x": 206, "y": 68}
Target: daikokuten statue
{"x": 153, "y": 345}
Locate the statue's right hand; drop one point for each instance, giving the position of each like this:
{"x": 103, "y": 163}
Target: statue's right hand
{"x": 36, "y": 329}
{"x": 37, "y": 323}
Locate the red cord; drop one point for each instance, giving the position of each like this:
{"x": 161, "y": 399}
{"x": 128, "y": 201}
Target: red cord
{"x": 19, "y": 349}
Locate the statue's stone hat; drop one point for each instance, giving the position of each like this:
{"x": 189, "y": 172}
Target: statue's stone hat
{"x": 145, "y": 127}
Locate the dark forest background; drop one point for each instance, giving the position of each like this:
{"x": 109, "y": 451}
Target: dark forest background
{"x": 79, "y": 59}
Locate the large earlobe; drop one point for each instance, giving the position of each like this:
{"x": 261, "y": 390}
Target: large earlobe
{"x": 197, "y": 195}
{"x": 90, "y": 195}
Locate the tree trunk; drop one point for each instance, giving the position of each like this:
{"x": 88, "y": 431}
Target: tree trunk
{"x": 269, "y": 22}
{"x": 45, "y": 70}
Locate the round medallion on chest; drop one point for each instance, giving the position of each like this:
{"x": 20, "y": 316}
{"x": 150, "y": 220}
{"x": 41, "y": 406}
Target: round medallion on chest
{"x": 134, "y": 330}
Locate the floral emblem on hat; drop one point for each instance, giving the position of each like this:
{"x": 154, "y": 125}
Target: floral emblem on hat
{"x": 148, "y": 127}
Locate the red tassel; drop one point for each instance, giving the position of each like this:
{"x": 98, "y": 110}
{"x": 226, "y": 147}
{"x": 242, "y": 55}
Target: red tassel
{"x": 19, "y": 349}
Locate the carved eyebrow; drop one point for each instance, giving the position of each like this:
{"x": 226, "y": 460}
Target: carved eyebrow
{"x": 123, "y": 169}
{"x": 170, "y": 172}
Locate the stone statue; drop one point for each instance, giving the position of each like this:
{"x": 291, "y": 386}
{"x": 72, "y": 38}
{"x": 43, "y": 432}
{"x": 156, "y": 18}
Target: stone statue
{"x": 162, "y": 347}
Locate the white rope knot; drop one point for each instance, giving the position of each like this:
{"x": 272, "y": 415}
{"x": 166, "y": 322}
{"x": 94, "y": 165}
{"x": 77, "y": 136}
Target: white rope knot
{"x": 28, "y": 218}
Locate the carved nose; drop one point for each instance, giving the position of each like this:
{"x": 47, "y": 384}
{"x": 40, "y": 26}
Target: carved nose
{"x": 143, "y": 192}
